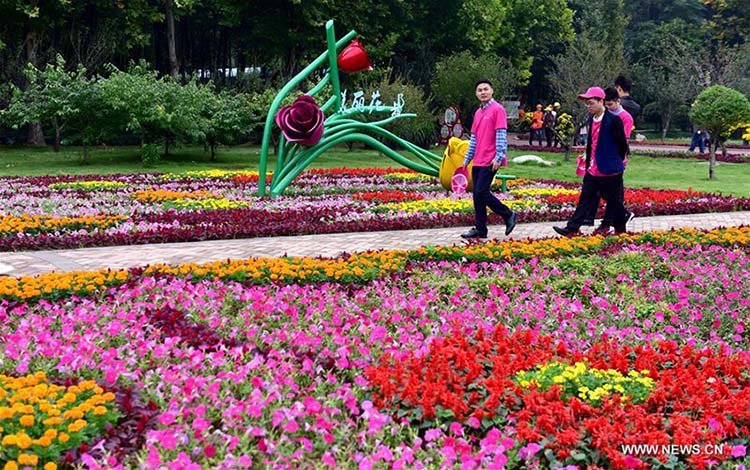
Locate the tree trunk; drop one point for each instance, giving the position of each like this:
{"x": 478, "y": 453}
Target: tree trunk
{"x": 174, "y": 67}
{"x": 213, "y": 152}
{"x": 58, "y": 131}
{"x": 712, "y": 158}
{"x": 36, "y": 135}
{"x": 567, "y": 153}
{"x": 665, "y": 126}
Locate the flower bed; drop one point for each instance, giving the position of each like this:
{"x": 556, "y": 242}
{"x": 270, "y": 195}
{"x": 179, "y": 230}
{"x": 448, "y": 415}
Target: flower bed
{"x": 248, "y": 373}
{"x": 68, "y": 211}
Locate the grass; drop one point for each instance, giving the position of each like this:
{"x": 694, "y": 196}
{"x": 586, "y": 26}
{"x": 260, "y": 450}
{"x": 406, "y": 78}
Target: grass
{"x": 659, "y": 173}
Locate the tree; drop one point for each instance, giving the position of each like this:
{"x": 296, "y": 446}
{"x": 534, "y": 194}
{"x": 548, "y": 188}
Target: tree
{"x": 587, "y": 63}
{"x": 674, "y": 74}
{"x": 728, "y": 21}
{"x": 227, "y": 117}
{"x": 456, "y": 74}
{"x": 719, "y": 109}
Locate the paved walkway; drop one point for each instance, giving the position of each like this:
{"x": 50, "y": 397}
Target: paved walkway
{"x": 29, "y": 263}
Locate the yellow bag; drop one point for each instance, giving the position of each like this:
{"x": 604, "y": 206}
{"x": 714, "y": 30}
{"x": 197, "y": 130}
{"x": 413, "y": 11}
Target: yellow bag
{"x": 453, "y": 157}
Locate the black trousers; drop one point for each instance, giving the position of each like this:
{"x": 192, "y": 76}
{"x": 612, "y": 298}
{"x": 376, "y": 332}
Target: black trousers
{"x": 608, "y": 218}
{"x": 610, "y": 188}
{"x": 482, "y": 177}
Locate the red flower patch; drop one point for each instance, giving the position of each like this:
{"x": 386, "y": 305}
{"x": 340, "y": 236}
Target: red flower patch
{"x": 700, "y": 397}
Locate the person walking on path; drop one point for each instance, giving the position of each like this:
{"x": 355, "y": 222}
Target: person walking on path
{"x": 613, "y": 104}
{"x": 605, "y": 151}
{"x": 536, "y": 125}
{"x": 488, "y": 148}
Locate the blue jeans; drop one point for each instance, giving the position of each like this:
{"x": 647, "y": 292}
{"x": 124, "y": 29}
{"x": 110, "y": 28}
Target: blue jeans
{"x": 482, "y": 177}
{"x": 535, "y": 133}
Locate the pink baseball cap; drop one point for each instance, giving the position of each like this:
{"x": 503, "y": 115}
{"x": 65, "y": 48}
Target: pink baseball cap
{"x": 593, "y": 92}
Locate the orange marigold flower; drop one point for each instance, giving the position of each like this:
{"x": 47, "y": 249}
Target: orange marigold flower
{"x": 27, "y": 420}
{"x": 23, "y": 441}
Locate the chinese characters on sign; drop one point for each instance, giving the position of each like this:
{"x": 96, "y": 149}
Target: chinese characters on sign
{"x": 358, "y": 104}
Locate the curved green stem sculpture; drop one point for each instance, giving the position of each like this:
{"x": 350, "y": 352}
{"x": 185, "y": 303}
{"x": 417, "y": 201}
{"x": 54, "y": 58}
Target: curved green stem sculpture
{"x": 339, "y": 127}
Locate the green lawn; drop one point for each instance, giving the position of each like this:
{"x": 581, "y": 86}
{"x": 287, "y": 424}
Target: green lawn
{"x": 642, "y": 171}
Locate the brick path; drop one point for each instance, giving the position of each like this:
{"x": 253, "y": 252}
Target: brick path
{"x": 35, "y": 262}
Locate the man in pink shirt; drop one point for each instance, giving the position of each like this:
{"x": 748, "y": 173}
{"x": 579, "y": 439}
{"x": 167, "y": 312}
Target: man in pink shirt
{"x": 605, "y": 151}
{"x": 488, "y": 148}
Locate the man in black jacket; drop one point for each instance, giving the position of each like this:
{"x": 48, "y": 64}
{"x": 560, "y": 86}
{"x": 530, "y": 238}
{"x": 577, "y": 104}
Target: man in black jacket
{"x": 605, "y": 152}
{"x": 623, "y": 86}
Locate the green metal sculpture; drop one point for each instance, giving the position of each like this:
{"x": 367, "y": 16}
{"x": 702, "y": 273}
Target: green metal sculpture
{"x": 338, "y": 127}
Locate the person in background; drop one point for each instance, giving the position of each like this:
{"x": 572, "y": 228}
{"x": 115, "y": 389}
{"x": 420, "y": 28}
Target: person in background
{"x": 556, "y": 112}
{"x": 623, "y": 87}
{"x": 536, "y": 125}
{"x": 605, "y": 151}
{"x": 488, "y": 148}
{"x": 698, "y": 139}
{"x": 549, "y": 124}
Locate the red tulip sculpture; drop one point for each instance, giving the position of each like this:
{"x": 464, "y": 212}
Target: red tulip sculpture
{"x": 354, "y": 58}
{"x": 302, "y": 121}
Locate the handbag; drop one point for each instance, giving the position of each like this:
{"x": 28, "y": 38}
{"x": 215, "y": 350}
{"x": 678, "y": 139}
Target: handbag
{"x": 581, "y": 162}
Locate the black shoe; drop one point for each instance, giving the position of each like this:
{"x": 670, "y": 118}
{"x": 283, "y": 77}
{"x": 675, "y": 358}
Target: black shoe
{"x": 602, "y": 230}
{"x": 510, "y": 224}
{"x": 566, "y": 232}
{"x": 473, "y": 233}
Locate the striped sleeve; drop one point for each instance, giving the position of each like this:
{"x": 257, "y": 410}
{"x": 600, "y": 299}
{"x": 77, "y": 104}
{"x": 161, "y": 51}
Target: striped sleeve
{"x": 472, "y": 149}
{"x": 501, "y": 145}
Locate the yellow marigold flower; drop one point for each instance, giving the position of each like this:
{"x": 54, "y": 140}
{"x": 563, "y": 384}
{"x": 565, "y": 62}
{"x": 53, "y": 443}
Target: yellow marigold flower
{"x": 43, "y": 441}
{"x": 109, "y": 396}
{"x": 6, "y": 413}
{"x": 77, "y": 425}
{"x": 50, "y": 466}
{"x": 23, "y": 441}
{"x": 62, "y": 437}
{"x": 11, "y": 465}
{"x": 9, "y": 440}
{"x": 54, "y": 421}
{"x": 100, "y": 410}
{"x": 28, "y": 459}
{"x": 51, "y": 433}
{"x": 27, "y": 420}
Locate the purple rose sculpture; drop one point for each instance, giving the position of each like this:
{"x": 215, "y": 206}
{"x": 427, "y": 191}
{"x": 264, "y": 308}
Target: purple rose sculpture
{"x": 302, "y": 121}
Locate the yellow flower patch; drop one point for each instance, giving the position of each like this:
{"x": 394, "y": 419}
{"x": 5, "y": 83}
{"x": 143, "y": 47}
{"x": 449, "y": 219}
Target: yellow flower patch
{"x": 210, "y": 174}
{"x": 542, "y": 192}
{"x": 587, "y": 383}
{"x": 208, "y": 204}
{"x": 31, "y": 431}
{"x": 11, "y": 224}
{"x": 408, "y": 176}
{"x": 450, "y": 206}
{"x": 159, "y": 195}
